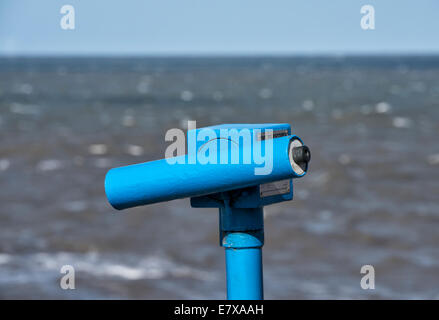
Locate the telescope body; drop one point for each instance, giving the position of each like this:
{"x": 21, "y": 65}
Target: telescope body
{"x": 181, "y": 177}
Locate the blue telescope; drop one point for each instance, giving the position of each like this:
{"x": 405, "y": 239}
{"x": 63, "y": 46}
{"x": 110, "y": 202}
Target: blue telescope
{"x": 238, "y": 168}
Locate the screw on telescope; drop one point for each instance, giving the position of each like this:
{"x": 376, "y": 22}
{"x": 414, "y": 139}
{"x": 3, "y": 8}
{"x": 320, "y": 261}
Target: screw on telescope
{"x": 301, "y": 155}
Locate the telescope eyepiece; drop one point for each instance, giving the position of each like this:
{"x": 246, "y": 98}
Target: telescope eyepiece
{"x": 301, "y": 155}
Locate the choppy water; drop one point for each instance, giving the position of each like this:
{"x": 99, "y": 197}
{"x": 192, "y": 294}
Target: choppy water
{"x": 371, "y": 195}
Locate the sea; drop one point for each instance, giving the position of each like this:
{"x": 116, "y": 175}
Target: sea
{"x": 370, "y": 197}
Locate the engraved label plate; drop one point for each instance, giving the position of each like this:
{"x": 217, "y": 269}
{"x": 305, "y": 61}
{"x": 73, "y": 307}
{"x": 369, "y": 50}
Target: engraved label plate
{"x": 274, "y": 188}
{"x": 276, "y": 134}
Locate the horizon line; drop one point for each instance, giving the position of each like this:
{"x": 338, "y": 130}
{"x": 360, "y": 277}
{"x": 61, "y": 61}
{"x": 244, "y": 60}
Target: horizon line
{"x": 222, "y": 55}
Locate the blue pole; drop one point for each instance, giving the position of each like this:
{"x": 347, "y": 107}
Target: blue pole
{"x": 243, "y": 267}
{"x": 242, "y": 236}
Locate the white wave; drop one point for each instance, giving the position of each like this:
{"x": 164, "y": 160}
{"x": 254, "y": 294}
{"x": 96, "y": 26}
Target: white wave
{"x": 5, "y": 258}
{"x": 265, "y": 93}
{"x": 308, "y": 105}
{"x": 4, "y": 164}
{"x": 134, "y": 150}
{"x": 24, "y": 88}
{"x": 401, "y": 122}
{"x": 433, "y": 159}
{"x": 49, "y": 165}
{"x": 383, "y": 107}
{"x": 98, "y": 149}
{"x": 152, "y": 267}
{"x": 24, "y": 109}
{"x": 186, "y": 95}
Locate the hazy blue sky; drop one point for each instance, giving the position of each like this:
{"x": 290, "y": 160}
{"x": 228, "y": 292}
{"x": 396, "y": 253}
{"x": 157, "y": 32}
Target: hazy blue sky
{"x": 218, "y": 27}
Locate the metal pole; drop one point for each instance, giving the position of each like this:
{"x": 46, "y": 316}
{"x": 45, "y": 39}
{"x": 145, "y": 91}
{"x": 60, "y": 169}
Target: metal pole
{"x": 242, "y": 237}
{"x": 244, "y": 267}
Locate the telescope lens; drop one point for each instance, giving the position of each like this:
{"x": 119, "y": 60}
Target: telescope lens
{"x": 301, "y": 155}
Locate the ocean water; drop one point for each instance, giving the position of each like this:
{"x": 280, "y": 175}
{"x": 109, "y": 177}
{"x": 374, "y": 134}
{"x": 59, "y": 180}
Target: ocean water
{"x": 371, "y": 196}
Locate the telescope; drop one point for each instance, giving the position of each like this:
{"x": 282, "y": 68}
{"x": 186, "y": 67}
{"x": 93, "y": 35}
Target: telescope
{"x": 237, "y": 168}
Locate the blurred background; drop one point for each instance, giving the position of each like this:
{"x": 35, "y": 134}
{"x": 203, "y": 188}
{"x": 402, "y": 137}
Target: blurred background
{"x": 74, "y": 103}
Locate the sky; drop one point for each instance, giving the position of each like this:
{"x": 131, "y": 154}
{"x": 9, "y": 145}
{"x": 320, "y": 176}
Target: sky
{"x": 218, "y": 27}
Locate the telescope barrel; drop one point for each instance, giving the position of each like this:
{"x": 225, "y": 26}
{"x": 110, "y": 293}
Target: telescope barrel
{"x": 159, "y": 180}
